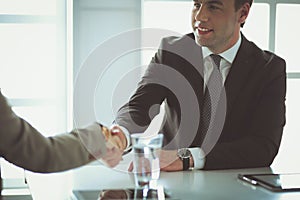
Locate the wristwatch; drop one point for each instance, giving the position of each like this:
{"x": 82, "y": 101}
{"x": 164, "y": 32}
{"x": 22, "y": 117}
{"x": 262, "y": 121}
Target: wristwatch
{"x": 184, "y": 154}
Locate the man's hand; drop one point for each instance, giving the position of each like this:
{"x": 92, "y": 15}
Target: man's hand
{"x": 118, "y": 137}
{"x": 114, "y": 137}
{"x": 114, "y": 149}
{"x": 169, "y": 161}
{"x": 112, "y": 157}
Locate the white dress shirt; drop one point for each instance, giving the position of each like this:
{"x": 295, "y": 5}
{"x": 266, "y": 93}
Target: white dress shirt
{"x": 225, "y": 65}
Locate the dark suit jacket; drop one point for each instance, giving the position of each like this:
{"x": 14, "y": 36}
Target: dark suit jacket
{"x": 250, "y": 122}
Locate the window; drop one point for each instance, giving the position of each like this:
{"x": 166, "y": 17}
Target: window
{"x": 33, "y": 72}
{"x": 272, "y": 29}
{"x": 287, "y": 42}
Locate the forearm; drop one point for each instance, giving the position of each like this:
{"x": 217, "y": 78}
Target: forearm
{"x": 35, "y": 152}
{"x": 23, "y": 145}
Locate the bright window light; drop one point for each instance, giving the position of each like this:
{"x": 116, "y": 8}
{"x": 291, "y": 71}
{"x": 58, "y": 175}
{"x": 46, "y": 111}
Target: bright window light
{"x": 28, "y": 7}
{"x": 287, "y": 40}
{"x": 28, "y": 60}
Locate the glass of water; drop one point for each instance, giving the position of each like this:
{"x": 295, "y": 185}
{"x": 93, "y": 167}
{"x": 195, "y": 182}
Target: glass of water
{"x": 146, "y": 151}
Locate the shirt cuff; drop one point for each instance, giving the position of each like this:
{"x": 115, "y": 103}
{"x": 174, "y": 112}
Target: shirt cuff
{"x": 198, "y": 156}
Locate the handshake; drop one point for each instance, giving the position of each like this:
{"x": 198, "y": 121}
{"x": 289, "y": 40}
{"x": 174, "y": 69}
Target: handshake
{"x": 116, "y": 143}
{"x": 114, "y": 137}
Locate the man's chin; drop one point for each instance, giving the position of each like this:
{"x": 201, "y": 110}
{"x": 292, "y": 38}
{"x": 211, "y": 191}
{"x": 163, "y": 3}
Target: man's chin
{"x": 198, "y": 42}
{"x": 197, "y": 39}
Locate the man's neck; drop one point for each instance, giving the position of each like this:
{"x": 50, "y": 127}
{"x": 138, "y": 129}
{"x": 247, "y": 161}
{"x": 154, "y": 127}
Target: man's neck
{"x": 228, "y": 54}
{"x": 228, "y": 44}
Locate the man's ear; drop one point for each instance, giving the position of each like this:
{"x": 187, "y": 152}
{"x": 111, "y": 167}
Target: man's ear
{"x": 244, "y": 11}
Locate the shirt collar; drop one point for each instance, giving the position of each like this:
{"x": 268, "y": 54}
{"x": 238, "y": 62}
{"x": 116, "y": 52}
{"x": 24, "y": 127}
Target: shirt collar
{"x": 228, "y": 55}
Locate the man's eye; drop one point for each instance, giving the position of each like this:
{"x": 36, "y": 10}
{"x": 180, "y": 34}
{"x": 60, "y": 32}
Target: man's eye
{"x": 212, "y": 7}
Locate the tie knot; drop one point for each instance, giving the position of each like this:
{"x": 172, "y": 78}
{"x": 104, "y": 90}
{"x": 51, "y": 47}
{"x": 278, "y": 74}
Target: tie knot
{"x": 217, "y": 59}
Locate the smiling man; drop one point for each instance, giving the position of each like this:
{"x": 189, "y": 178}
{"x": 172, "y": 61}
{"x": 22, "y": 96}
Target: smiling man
{"x": 246, "y": 118}
{"x": 217, "y": 23}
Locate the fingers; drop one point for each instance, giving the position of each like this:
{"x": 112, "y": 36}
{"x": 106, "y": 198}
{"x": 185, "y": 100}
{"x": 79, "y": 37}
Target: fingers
{"x": 105, "y": 132}
{"x": 115, "y": 141}
{"x": 130, "y": 168}
{"x": 113, "y": 156}
{"x": 115, "y": 129}
{"x": 115, "y": 144}
{"x": 114, "y": 137}
{"x": 118, "y": 137}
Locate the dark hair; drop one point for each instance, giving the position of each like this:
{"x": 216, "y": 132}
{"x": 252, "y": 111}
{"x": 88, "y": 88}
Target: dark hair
{"x": 239, "y": 3}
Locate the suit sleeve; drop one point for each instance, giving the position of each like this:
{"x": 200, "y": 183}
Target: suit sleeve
{"x": 263, "y": 129}
{"x": 24, "y": 146}
{"x": 144, "y": 104}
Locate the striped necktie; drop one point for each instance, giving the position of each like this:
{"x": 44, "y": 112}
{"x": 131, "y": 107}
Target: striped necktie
{"x": 211, "y": 97}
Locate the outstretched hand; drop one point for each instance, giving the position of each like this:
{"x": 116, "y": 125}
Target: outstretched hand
{"x": 112, "y": 157}
{"x": 118, "y": 137}
{"x": 114, "y": 150}
{"x": 115, "y": 137}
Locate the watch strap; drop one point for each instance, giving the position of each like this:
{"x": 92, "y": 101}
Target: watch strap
{"x": 184, "y": 154}
{"x": 186, "y": 163}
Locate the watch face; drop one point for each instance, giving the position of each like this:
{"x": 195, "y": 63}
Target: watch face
{"x": 184, "y": 153}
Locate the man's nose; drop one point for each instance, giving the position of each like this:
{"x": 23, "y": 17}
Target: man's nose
{"x": 201, "y": 15}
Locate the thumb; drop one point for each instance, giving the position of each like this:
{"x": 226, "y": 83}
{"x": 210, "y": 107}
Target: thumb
{"x": 130, "y": 168}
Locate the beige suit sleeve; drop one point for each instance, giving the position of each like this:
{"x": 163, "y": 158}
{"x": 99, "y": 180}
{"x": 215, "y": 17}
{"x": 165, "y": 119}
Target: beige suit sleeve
{"x": 24, "y": 146}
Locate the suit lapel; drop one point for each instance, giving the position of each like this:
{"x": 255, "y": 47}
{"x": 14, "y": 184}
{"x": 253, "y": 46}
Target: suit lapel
{"x": 239, "y": 71}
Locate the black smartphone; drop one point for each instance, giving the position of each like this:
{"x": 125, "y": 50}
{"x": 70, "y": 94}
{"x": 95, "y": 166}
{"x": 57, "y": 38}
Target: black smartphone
{"x": 274, "y": 182}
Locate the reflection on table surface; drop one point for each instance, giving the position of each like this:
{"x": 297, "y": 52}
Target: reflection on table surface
{"x": 125, "y": 194}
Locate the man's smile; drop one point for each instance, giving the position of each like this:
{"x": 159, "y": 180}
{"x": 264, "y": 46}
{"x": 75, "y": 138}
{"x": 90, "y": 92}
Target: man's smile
{"x": 204, "y": 31}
